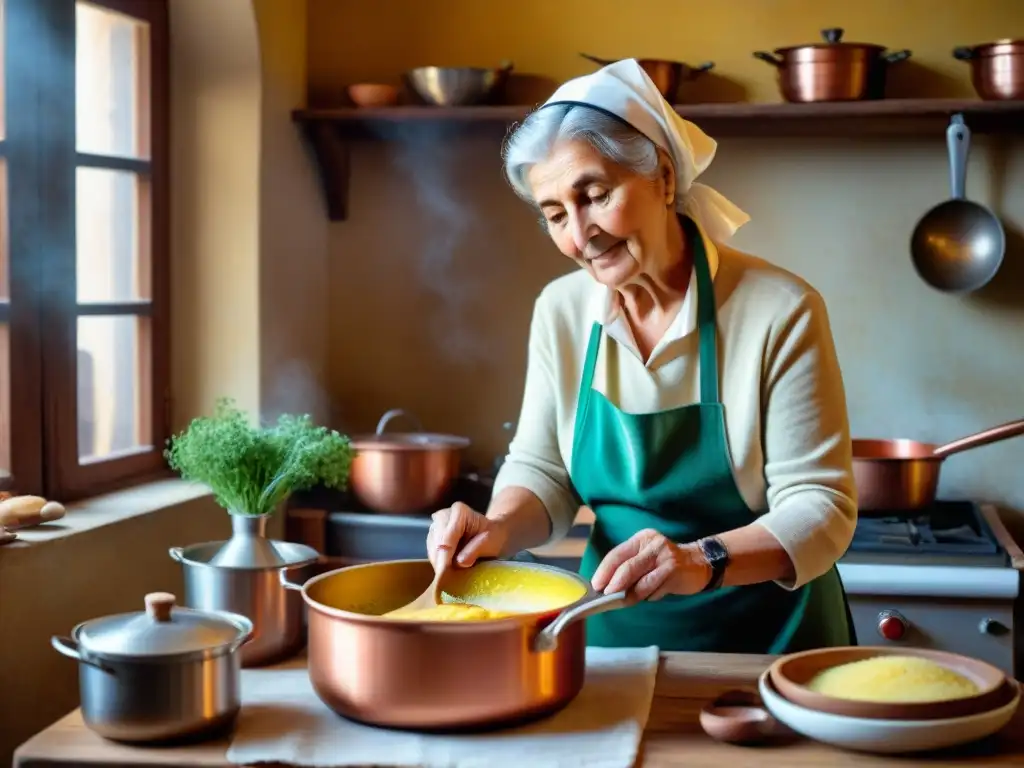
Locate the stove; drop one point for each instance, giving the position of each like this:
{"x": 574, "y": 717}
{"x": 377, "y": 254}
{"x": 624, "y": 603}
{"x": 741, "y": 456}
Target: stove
{"x": 939, "y": 578}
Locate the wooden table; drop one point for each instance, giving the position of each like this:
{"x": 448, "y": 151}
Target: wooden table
{"x": 686, "y": 682}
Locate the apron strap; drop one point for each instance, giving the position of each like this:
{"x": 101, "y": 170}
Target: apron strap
{"x": 587, "y": 380}
{"x": 706, "y": 325}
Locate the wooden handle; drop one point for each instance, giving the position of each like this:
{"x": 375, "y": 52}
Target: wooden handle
{"x": 159, "y": 605}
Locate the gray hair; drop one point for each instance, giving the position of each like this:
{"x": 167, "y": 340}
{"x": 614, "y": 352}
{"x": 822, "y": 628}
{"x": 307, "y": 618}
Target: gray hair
{"x": 531, "y": 142}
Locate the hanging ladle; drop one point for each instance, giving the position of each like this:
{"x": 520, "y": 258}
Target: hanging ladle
{"x": 958, "y": 246}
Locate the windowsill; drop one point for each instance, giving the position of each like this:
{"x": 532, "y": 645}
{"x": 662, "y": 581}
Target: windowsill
{"x": 110, "y": 509}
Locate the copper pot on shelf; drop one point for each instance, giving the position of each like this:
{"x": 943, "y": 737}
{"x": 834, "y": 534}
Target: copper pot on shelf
{"x": 666, "y": 75}
{"x": 903, "y": 475}
{"x": 443, "y": 675}
{"x": 997, "y": 69}
{"x": 832, "y": 70}
{"x": 404, "y": 473}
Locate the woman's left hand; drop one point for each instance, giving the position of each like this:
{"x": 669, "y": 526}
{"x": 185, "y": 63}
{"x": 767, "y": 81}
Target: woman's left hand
{"x": 652, "y": 567}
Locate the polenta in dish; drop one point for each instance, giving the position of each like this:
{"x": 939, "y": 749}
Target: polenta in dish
{"x": 893, "y": 680}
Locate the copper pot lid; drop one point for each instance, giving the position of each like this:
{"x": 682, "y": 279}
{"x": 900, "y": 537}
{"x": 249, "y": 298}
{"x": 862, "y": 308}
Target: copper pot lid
{"x": 419, "y": 440}
{"x": 825, "y": 50}
{"x": 161, "y": 630}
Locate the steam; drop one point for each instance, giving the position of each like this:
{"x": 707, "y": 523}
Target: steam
{"x": 429, "y": 160}
{"x": 295, "y": 390}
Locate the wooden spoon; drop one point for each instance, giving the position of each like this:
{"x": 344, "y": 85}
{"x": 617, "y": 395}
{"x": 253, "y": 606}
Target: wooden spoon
{"x": 430, "y": 598}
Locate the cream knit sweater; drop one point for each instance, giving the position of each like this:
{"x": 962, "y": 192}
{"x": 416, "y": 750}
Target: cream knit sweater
{"x": 781, "y": 386}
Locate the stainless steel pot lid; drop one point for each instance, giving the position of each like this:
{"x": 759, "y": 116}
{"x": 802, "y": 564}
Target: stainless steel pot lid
{"x": 160, "y": 630}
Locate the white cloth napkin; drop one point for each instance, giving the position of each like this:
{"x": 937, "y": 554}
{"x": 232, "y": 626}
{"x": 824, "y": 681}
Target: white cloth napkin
{"x": 283, "y": 721}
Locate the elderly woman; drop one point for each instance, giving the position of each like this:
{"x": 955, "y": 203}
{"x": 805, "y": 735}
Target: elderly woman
{"x": 688, "y": 393}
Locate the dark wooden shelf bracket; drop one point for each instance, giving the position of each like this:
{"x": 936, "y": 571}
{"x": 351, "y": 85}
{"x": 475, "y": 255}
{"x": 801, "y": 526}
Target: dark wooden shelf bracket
{"x": 331, "y": 151}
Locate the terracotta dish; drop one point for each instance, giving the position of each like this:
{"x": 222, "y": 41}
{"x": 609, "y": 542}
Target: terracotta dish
{"x": 373, "y": 95}
{"x": 739, "y": 717}
{"x": 791, "y": 674}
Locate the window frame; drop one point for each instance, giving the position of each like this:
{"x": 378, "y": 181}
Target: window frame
{"x": 42, "y": 159}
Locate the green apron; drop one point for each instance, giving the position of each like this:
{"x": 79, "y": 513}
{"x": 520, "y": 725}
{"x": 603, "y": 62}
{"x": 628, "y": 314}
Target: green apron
{"x": 671, "y": 471}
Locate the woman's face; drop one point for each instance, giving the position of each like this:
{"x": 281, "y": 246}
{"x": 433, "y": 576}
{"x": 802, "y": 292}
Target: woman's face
{"x": 609, "y": 220}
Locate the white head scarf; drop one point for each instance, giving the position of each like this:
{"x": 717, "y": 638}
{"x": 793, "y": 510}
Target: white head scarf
{"x": 624, "y": 90}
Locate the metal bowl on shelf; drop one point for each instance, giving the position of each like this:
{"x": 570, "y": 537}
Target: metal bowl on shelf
{"x": 458, "y": 86}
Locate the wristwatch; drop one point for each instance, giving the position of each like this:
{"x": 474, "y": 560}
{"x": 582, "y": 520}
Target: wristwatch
{"x": 717, "y": 556}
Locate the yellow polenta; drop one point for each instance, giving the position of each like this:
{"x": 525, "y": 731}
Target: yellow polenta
{"x": 893, "y": 679}
{"x": 451, "y": 612}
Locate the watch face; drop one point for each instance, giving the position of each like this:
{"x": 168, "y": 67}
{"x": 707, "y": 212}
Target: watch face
{"x": 715, "y": 552}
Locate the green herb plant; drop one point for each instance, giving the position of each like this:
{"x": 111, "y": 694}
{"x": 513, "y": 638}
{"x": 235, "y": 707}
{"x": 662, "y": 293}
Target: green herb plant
{"x": 253, "y": 469}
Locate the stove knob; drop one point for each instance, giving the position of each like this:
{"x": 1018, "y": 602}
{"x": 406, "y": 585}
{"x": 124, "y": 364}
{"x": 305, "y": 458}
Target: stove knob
{"x": 992, "y": 627}
{"x": 891, "y": 625}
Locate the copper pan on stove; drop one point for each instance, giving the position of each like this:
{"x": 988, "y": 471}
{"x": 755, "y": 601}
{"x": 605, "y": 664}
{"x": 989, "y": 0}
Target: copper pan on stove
{"x": 903, "y": 475}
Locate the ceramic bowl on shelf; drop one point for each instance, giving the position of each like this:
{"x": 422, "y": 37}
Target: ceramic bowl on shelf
{"x": 791, "y": 674}
{"x": 889, "y": 736}
{"x": 372, "y": 94}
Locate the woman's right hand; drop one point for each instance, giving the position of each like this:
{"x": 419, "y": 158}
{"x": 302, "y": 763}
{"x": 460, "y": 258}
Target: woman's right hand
{"x": 460, "y": 535}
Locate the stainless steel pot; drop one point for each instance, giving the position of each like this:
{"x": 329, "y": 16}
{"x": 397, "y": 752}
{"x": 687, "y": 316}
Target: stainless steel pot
{"x": 164, "y": 674}
{"x": 441, "y": 675}
{"x": 404, "y": 473}
{"x": 279, "y": 629}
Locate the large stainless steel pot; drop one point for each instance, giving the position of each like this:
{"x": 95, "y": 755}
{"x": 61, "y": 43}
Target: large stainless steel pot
{"x": 404, "y": 473}
{"x": 442, "y": 675}
{"x": 833, "y": 70}
{"x": 903, "y": 475}
{"x": 997, "y": 69}
{"x": 163, "y": 674}
{"x": 279, "y": 629}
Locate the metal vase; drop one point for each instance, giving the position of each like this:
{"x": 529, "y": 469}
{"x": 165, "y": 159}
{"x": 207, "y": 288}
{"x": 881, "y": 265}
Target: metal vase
{"x": 243, "y": 575}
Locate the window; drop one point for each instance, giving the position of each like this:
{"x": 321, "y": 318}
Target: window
{"x": 83, "y": 244}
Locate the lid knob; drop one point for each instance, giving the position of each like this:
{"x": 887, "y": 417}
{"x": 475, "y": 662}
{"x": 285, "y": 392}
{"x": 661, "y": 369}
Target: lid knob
{"x": 158, "y": 605}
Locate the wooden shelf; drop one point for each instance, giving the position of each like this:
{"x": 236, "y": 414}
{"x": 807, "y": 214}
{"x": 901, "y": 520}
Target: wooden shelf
{"x": 329, "y": 131}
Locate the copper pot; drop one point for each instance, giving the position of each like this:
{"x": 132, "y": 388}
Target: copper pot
{"x": 833, "y": 70}
{"x": 438, "y": 675}
{"x": 997, "y": 69}
{"x": 404, "y": 473}
{"x": 666, "y": 75}
{"x": 903, "y": 475}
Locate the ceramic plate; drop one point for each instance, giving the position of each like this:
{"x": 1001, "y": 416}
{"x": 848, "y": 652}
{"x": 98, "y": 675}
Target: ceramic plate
{"x": 887, "y": 736}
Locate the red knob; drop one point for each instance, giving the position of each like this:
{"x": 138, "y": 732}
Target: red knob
{"x": 891, "y": 626}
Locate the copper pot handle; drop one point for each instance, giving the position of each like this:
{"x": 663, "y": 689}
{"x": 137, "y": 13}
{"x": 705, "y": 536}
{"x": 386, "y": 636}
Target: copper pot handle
{"x": 547, "y": 638}
{"x": 597, "y": 59}
{"x": 895, "y": 57}
{"x": 393, "y": 414}
{"x": 994, "y": 435}
{"x": 770, "y": 58}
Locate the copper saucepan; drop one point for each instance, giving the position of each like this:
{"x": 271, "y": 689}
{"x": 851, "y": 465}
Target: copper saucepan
{"x": 446, "y": 675}
{"x": 903, "y": 475}
{"x": 666, "y": 75}
{"x": 403, "y": 473}
{"x": 832, "y": 70}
